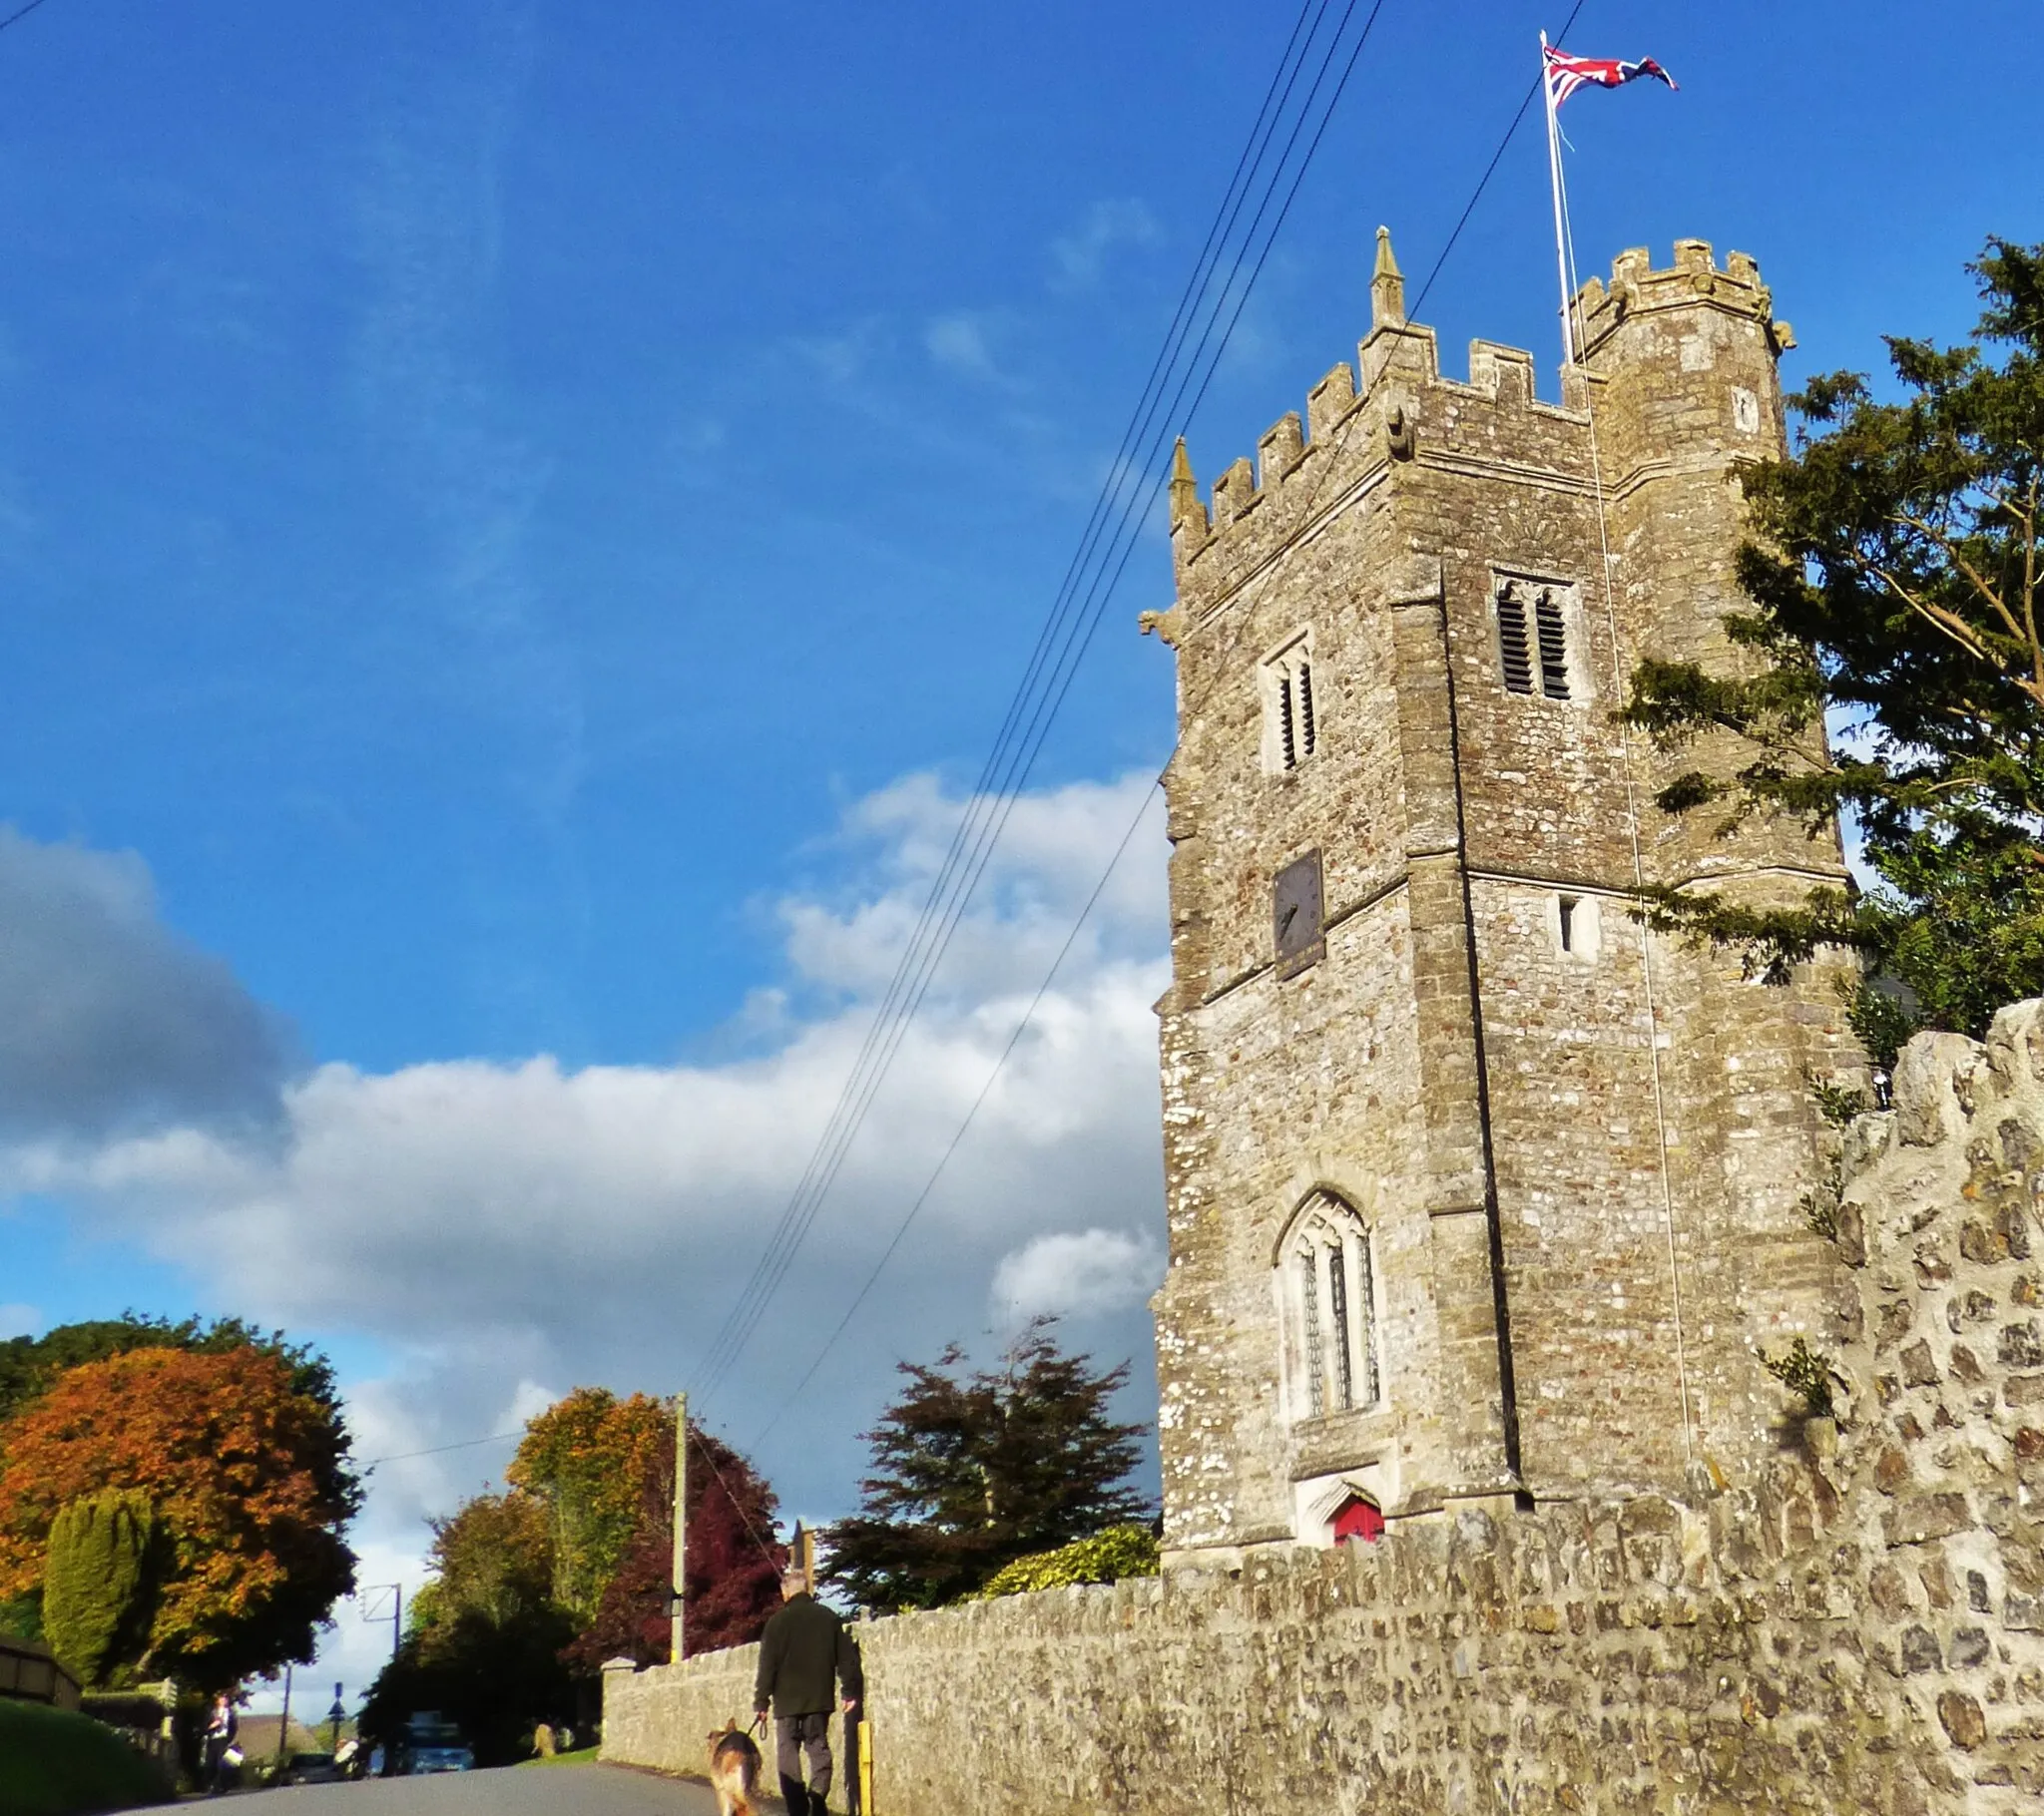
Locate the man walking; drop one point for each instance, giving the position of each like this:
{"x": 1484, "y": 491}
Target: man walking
{"x": 223, "y": 1728}
{"x": 805, "y": 1656}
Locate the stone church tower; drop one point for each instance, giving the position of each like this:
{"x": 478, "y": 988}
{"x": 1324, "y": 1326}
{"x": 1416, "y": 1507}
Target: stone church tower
{"x": 1475, "y": 1190}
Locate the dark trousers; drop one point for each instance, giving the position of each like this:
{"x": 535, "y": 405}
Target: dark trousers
{"x": 794, "y": 1735}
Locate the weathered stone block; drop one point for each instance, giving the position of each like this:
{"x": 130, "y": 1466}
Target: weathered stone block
{"x": 1919, "y": 1368}
{"x": 1917, "y": 1518}
{"x": 1962, "y": 1720}
{"x": 2020, "y": 1346}
{"x": 1920, "y": 1650}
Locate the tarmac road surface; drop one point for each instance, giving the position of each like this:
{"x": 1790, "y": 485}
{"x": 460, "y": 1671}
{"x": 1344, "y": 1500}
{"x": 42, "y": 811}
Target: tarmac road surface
{"x": 565, "y": 1790}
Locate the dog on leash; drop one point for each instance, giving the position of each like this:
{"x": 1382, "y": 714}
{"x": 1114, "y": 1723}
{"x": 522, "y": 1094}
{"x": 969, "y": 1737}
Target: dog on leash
{"x": 734, "y": 1769}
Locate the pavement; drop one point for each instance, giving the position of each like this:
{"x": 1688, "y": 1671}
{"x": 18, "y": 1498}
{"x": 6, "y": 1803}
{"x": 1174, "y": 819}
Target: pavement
{"x": 564, "y": 1790}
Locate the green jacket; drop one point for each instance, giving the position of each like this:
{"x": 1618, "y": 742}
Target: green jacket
{"x": 804, "y": 1647}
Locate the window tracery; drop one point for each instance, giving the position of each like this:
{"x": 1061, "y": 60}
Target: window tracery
{"x": 1327, "y": 1268}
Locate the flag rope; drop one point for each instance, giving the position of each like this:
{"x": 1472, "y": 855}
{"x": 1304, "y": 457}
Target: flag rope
{"x": 1572, "y": 339}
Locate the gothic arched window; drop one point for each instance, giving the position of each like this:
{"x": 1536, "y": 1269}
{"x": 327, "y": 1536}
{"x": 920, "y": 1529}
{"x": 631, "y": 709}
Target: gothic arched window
{"x": 1328, "y": 1284}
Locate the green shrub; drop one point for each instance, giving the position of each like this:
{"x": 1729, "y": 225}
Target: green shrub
{"x": 1803, "y": 1371}
{"x": 1121, "y": 1551}
{"x": 54, "y": 1763}
{"x": 22, "y": 1617}
{"x": 96, "y": 1587}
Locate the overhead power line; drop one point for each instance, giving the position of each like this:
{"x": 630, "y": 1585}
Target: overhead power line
{"x": 1092, "y": 900}
{"x": 435, "y": 1450}
{"x": 1259, "y": 136}
{"x": 1076, "y": 614}
{"x": 972, "y": 836}
{"x": 978, "y": 1103}
{"x": 15, "y": 18}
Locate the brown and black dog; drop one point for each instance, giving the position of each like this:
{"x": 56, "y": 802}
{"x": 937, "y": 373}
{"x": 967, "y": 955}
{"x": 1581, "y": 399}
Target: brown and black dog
{"x": 734, "y": 1769}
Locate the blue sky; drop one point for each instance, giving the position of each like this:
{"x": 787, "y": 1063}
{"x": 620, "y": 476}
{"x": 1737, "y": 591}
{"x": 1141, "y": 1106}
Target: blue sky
{"x": 517, "y": 522}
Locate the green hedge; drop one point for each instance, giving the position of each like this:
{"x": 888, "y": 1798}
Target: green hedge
{"x": 1121, "y": 1551}
{"x": 54, "y": 1763}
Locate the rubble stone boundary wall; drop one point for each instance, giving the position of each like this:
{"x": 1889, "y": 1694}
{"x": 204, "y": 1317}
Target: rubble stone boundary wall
{"x": 1860, "y": 1629}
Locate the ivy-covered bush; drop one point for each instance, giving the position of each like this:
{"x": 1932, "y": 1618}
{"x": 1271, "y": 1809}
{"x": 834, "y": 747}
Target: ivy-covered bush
{"x": 1121, "y": 1551}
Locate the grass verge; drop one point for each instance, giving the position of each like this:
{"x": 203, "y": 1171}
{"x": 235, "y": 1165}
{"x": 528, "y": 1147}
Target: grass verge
{"x": 54, "y": 1763}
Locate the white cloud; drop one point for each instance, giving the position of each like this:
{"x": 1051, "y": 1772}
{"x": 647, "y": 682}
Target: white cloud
{"x": 1080, "y": 1274}
{"x": 1080, "y": 256}
{"x": 843, "y": 358}
{"x": 504, "y": 1231}
{"x": 17, "y": 1320}
{"x": 960, "y": 344}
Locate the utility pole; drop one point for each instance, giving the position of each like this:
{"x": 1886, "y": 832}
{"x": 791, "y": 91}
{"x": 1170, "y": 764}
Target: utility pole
{"x": 805, "y": 1556}
{"x": 371, "y": 1606}
{"x": 681, "y": 1520}
{"x": 283, "y": 1726}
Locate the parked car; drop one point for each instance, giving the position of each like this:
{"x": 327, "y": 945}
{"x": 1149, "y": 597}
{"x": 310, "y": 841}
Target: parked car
{"x": 433, "y": 1745}
{"x": 310, "y": 1768}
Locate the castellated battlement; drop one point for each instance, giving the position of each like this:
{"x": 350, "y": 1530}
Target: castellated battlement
{"x": 1637, "y": 289}
{"x": 1393, "y": 404}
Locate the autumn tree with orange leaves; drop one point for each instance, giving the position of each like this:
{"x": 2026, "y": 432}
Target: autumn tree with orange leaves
{"x": 248, "y": 1476}
{"x": 588, "y": 1458}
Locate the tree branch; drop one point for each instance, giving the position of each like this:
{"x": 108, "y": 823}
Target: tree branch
{"x": 1952, "y": 554}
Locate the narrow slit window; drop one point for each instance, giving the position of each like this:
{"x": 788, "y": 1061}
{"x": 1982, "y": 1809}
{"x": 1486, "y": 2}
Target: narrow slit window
{"x": 1513, "y": 645}
{"x": 1337, "y": 1305}
{"x": 1554, "y": 646}
{"x": 1284, "y": 724}
{"x": 1306, "y": 706}
{"x": 1568, "y": 923}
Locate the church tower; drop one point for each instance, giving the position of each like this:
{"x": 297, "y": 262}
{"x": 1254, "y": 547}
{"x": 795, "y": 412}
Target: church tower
{"x": 1476, "y": 1190}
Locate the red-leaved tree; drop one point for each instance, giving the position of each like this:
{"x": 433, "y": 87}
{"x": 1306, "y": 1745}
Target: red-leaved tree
{"x": 731, "y": 1579}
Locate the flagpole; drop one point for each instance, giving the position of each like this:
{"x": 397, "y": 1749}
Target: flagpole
{"x": 1561, "y": 264}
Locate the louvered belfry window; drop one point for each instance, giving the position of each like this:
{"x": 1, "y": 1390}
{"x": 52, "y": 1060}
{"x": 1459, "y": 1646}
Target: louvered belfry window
{"x": 1511, "y": 640}
{"x": 1533, "y": 639}
{"x": 1554, "y": 648}
{"x": 1294, "y": 730}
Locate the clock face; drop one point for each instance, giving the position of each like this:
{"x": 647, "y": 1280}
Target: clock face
{"x": 1296, "y": 913}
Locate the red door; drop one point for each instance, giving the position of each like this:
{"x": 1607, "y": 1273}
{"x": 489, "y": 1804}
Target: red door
{"x": 1356, "y": 1518}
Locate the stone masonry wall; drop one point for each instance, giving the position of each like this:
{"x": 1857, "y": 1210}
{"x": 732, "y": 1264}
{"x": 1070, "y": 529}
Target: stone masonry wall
{"x": 1860, "y": 1627}
{"x": 1579, "y": 1158}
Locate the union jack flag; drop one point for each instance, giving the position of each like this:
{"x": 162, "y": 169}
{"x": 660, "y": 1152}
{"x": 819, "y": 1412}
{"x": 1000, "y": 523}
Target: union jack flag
{"x": 1566, "y": 74}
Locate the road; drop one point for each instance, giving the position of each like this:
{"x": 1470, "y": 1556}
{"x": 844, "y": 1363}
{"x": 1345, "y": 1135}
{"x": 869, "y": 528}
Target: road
{"x": 567, "y": 1790}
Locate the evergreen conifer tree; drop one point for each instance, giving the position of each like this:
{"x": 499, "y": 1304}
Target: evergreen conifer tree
{"x": 1895, "y": 572}
{"x": 972, "y": 1470}
{"x": 98, "y": 1583}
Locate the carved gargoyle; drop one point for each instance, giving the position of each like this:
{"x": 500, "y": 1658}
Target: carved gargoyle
{"x": 1167, "y": 624}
